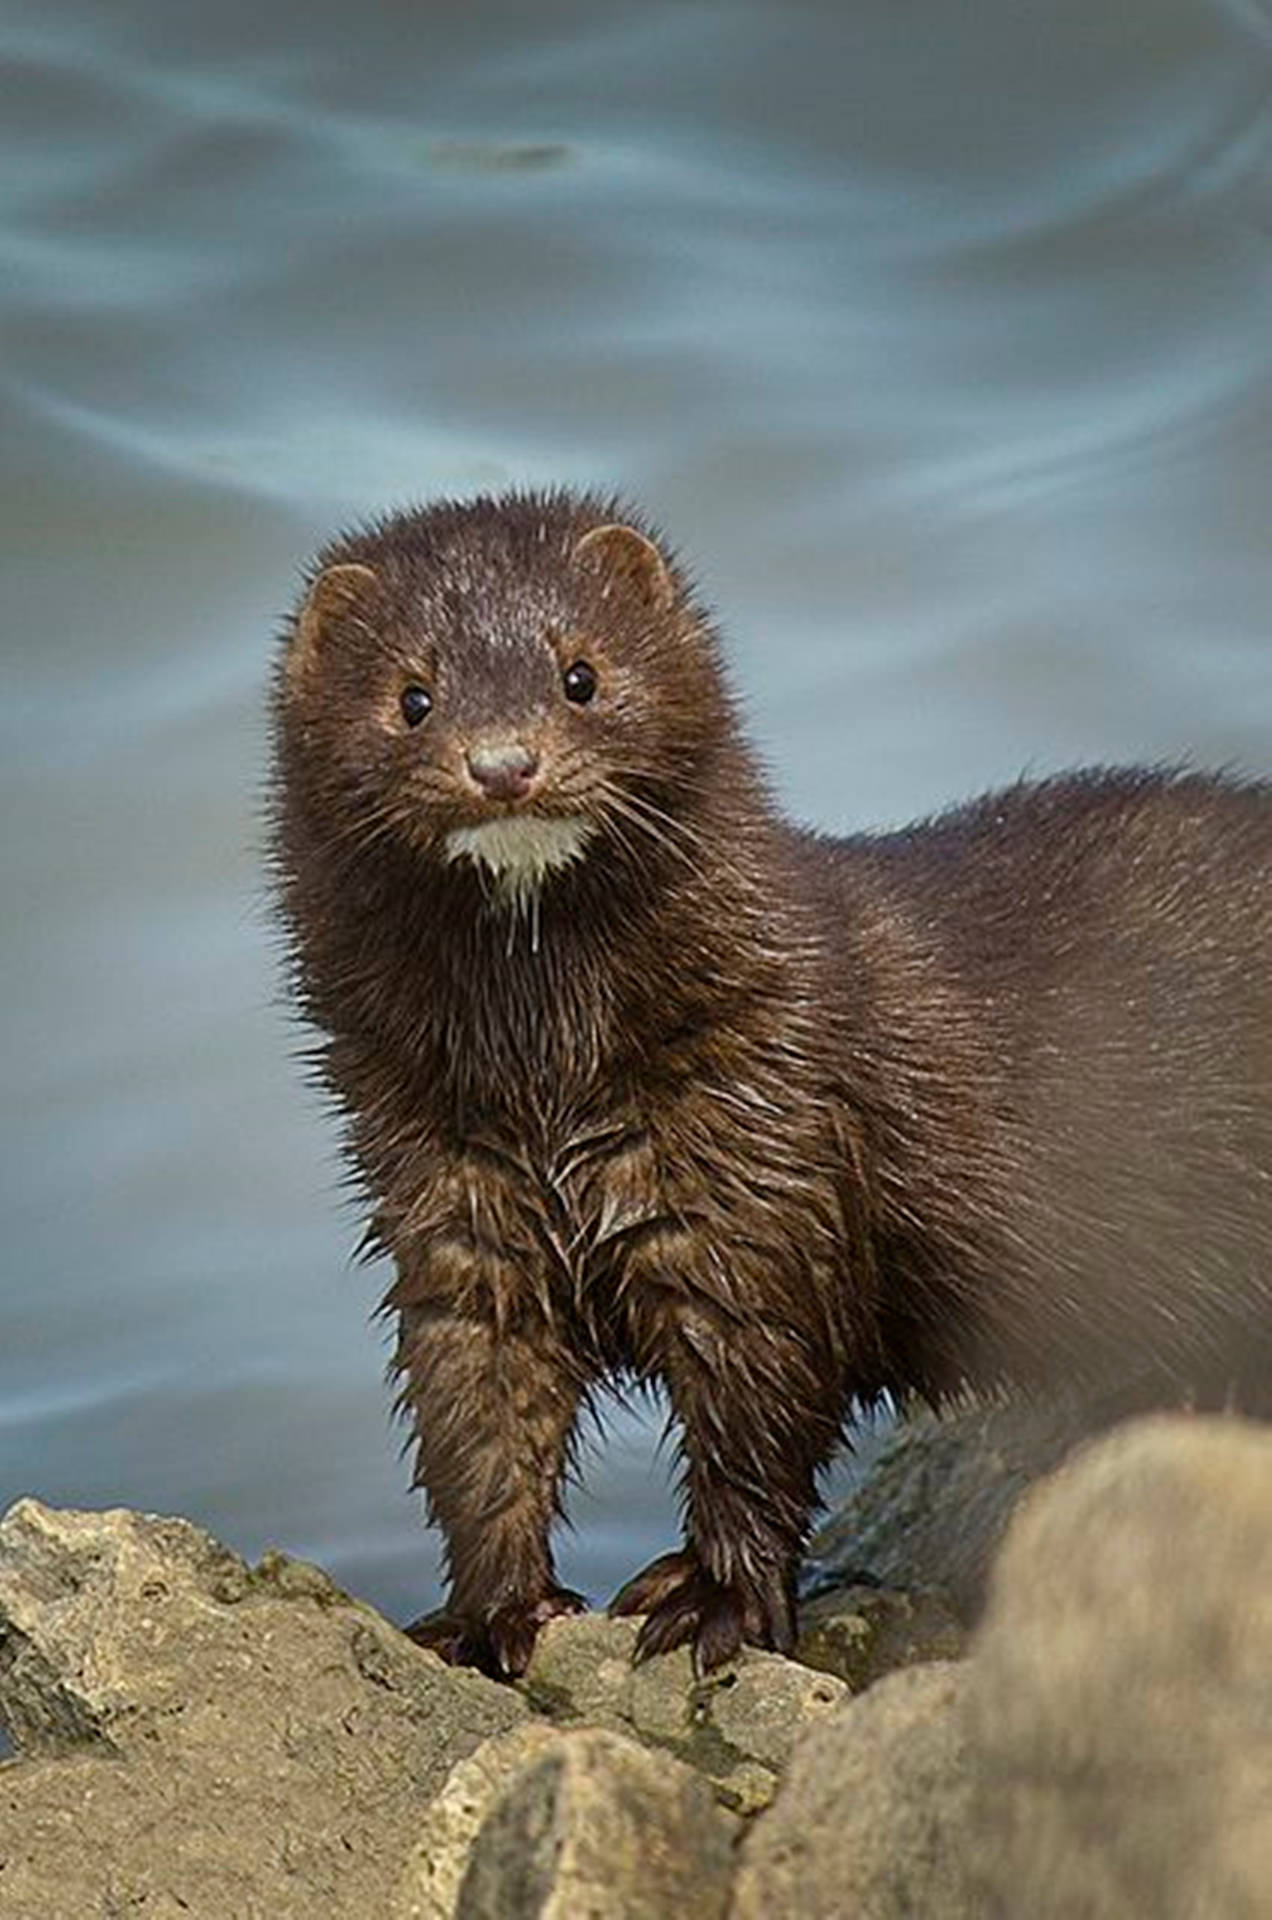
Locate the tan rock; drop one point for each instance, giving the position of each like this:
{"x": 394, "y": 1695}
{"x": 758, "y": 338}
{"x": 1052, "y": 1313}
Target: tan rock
{"x": 435, "y": 1868}
{"x": 737, "y": 1725}
{"x": 1121, "y": 1701}
{"x": 202, "y": 1739}
{"x": 869, "y": 1820}
{"x": 596, "y": 1827}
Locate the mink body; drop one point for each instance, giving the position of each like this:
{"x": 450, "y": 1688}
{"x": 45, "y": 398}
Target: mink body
{"x": 644, "y": 1082}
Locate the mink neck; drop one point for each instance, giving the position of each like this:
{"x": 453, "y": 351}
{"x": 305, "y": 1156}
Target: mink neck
{"x": 558, "y": 987}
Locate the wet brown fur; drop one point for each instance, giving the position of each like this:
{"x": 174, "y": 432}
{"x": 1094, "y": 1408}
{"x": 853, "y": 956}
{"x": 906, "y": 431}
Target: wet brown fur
{"x": 778, "y": 1120}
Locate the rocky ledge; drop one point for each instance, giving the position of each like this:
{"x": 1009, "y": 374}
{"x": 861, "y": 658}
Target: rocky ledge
{"x": 200, "y": 1738}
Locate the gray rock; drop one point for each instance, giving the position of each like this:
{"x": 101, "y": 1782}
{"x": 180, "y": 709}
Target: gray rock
{"x": 933, "y": 1505}
{"x": 738, "y": 1725}
{"x": 202, "y": 1739}
{"x": 1120, "y": 1703}
{"x": 870, "y": 1819}
{"x": 595, "y": 1827}
{"x": 861, "y": 1633}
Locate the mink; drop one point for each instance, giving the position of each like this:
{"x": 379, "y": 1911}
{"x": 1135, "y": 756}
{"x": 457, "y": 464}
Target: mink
{"x": 644, "y": 1083}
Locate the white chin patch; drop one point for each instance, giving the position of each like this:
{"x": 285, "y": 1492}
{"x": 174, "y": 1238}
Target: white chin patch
{"x": 521, "y": 849}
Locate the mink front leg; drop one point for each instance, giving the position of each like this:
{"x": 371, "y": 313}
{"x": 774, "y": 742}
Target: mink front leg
{"x": 493, "y": 1411}
{"x": 758, "y": 1420}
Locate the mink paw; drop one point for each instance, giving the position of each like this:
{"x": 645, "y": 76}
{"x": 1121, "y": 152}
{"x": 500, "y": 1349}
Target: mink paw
{"x": 682, "y": 1603}
{"x": 499, "y": 1643}
{"x": 458, "y": 1640}
{"x": 513, "y": 1629}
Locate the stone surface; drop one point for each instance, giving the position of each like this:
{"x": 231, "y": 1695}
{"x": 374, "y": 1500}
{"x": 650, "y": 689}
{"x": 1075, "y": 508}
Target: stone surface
{"x": 738, "y": 1725}
{"x": 1120, "y": 1700}
{"x": 861, "y": 1633}
{"x": 595, "y": 1827}
{"x": 203, "y": 1739}
{"x": 869, "y": 1821}
{"x": 435, "y": 1868}
{"x": 934, "y": 1504}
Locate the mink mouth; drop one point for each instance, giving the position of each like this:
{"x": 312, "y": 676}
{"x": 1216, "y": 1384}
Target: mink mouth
{"x": 519, "y": 845}
{"x": 474, "y": 811}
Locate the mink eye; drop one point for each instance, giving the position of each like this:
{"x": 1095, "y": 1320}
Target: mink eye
{"x": 579, "y": 682}
{"x": 416, "y": 703}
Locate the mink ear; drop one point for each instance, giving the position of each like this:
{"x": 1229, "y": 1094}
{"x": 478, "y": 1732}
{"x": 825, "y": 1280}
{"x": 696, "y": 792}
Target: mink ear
{"x": 336, "y": 592}
{"x": 620, "y": 553}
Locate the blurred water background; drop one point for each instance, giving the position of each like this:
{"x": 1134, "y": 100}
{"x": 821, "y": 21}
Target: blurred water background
{"x": 940, "y": 337}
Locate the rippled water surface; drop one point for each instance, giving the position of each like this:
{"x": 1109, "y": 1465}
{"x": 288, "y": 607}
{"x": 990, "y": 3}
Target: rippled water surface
{"x": 941, "y": 339}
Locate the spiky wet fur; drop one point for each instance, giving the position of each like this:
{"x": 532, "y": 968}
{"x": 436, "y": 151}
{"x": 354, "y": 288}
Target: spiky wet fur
{"x": 779, "y": 1120}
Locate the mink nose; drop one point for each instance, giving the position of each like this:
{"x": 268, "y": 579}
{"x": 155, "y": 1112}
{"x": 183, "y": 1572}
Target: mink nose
{"x": 504, "y": 770}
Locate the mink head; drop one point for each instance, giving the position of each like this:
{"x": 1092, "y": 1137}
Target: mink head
{"x": 501, "y": 683}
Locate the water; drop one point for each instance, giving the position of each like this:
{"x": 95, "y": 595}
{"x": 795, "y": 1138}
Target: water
{"x": 940, "y": 337}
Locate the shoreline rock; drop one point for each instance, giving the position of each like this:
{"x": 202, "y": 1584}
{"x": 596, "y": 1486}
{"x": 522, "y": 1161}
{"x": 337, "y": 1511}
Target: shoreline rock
{"x": 201, "y": 1738}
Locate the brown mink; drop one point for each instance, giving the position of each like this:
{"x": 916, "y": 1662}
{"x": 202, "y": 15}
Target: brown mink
{"x": 646, "y": 1083}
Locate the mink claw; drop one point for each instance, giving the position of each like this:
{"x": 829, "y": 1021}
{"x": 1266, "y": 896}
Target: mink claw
{"x": 659, "y": 1581}
{"x": 449, "y": 1635}
{"x": 499, "y": 1644}
{"x": 514, "y": 1628}
{"x": 710, "y": 1625}
{"x": 683, "y": 1605}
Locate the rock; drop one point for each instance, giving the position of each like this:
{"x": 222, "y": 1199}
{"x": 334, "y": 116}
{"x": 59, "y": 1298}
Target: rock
{"x": 763, "y": 1705}
{"x": 934, "y": 1504}
{"x": 737, "y": 1726}
{"x": 581, "y": 1670}
{"x": 1120, "y": 1703}
{"x": 205, "y": 1739}
{"x": 200, "y": 1738}
{"x": 870, "y": 1818}
{"x": 594, "y": 1827}
{"x": 861, "y": 1633}
{"x": 84, "y": 1598}
{"x": 430, "y": 1883}
{"x": 1106, "y": 1751}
